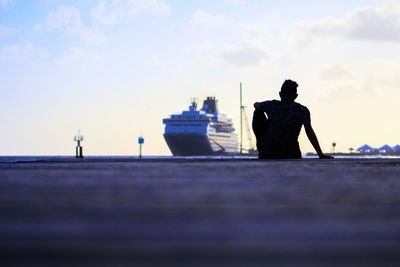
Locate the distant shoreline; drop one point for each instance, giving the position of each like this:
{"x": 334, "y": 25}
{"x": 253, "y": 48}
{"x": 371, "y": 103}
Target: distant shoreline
{"x": 116, "y": 159}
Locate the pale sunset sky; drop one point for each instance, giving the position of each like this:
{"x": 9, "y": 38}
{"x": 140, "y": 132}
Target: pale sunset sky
{"x": 116, "y": 68}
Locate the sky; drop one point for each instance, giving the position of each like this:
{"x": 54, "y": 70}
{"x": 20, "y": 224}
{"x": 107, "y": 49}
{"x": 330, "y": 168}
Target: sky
{"x": 116, "y": 68}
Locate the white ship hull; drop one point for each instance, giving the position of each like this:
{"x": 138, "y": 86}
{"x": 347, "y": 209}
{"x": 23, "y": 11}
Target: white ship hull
{"x": 184, "y": 144}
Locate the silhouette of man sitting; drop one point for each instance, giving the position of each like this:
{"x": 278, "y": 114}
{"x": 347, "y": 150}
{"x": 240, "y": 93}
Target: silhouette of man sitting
{"x": 277, "y": 136}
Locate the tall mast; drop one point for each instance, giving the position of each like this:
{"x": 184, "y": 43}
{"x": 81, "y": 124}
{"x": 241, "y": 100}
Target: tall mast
{"x": 241, "y": 120}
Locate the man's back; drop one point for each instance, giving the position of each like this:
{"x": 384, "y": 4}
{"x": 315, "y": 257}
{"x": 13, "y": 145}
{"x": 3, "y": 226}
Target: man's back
{"x": 277, "y": 136}
{"x": 285, "y": 120}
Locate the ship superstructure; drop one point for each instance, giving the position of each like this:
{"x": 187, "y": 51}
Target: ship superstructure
{"x": 200, "y": 132}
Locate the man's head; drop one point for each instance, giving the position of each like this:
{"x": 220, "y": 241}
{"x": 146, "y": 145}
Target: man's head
{"x": 288, "y": 91}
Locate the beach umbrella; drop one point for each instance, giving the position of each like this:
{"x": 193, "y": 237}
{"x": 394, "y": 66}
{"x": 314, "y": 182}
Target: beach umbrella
{"x": 385, "y": 148}
{"x": 396, "y": 147}
{"x": 365, "y": 148}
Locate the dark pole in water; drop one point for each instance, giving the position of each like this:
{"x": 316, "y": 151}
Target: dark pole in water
{"x": 241, "y": 120}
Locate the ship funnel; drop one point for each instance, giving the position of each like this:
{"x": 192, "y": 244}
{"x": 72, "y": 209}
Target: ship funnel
{"x": 210, "y": 105}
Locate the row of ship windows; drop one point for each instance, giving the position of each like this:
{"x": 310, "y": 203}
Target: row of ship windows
{"x": 185, "y": 125}
{"x": 186, "y": 117}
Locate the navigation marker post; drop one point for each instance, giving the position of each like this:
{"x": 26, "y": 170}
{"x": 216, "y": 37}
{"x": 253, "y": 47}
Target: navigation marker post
{"x": 141, "y": 142}
{"x": 78, "y": 150}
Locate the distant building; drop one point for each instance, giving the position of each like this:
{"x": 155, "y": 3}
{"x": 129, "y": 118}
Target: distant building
{"x": 366, "y": 149}
{"x": 397, "y": 148}
{"x": 385, "y": 149}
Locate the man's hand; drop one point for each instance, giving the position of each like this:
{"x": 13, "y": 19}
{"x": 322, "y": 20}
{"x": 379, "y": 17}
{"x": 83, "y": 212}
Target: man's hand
{"x": 323, "y": 156}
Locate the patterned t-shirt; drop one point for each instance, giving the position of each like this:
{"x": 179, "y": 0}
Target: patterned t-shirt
{"x": 284, "y": 124}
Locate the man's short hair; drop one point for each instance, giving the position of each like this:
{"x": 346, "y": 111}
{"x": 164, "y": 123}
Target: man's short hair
{"x": 289, "y": 88}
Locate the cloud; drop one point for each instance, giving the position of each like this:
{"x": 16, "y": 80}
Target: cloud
{"x": 4, "y": 31}
{"x": 68, "y": 19}
{"x": 4, "y": 3}
{"x": 25, "y": 50}
{"x": 110, "y": 13}
{"x": 234, "y": 2}
{"x": 153, "y": 60}
{"x": 77, "y": 54}
{"x": 260, "y": 29}
{"x": 204, "y": 46}
{"x": 204, "y": 60}
{"x": 334, "y": 73}
{"x": 18, "y": 50}
{"x": 243, "y": 54}
{"x": 376, "y": 24}
{"x": 200, "y": 17}
{"x": 204, "y": 52}
{"x": 386, "y": 73}
{"x": 73, "y": 54}
{"x": 390, "y": 4}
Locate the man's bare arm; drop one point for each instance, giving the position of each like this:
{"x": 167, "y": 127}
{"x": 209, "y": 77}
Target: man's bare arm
{"x": 314, "y": 140}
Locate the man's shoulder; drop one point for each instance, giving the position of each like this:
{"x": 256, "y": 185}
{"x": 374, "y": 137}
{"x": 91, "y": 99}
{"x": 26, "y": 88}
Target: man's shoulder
{"x": 270, "y": 102}
{"x": 300, "y": 106}
{"x": 302, "y": 111}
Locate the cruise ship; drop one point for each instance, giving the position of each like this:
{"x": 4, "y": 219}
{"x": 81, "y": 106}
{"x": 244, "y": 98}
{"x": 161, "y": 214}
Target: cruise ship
{"x": 201, "y": 132}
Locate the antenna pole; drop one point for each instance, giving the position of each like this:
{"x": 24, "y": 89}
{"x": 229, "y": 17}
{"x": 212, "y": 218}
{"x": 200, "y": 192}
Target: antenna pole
{"x": 241, "y": 120}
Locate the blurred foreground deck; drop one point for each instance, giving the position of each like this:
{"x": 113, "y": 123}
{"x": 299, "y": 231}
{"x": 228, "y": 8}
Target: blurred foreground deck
{"x": 200, "y": 212}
